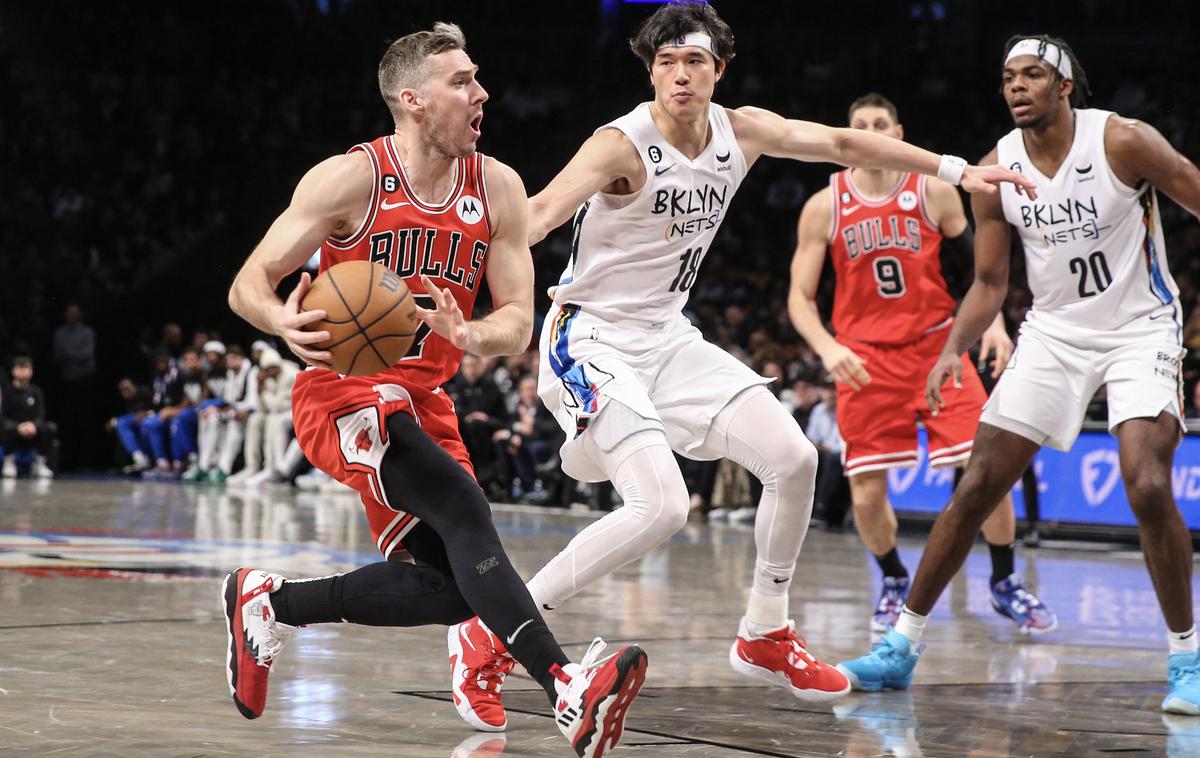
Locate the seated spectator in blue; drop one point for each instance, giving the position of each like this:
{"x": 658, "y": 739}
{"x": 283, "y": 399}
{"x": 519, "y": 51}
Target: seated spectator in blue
{"x": 177, "y": 392}
{"x": 25, "y": 428}
{"x": 137, "y": 402}
{"x": 210, "y": 404}
{"x": 529, "y": 442}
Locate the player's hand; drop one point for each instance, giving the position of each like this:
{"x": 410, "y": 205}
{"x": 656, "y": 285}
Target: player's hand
{"x": 995, "y": 340}
{"x": 987, "y": 179}
{"x": 289, "y": 322}
{"x": 846, "y": 366}
{"x": 446, "y": 318}
{"x": 948, "y": 366}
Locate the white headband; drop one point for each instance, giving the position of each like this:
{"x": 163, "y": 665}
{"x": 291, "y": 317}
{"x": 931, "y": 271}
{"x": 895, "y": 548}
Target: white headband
{"x": 692, "y": 39}
{"x": 1053, "y": 55}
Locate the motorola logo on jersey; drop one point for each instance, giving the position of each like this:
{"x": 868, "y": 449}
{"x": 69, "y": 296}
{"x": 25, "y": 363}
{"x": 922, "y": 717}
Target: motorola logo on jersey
{"x": 470, "y": 209}
{"x": 874, "y": 235}
{"x": 429, "y": 252}
{"x": 907, "y": 200}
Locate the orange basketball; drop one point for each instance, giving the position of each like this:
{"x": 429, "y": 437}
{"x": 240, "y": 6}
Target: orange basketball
{"x": 369, "y": 313}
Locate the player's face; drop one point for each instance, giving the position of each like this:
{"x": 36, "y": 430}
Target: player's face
{"x": 871, "y": 118}
{"x": 1032, "y": 90}
{"x": 455, "y": 101}
{"x": 684, "y": 79}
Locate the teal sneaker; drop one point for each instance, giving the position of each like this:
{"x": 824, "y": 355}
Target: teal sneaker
{"x": 889, "y": 665}
{"x": 1183, "y": 673}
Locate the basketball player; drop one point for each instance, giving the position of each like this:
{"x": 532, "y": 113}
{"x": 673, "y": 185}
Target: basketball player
{"x": 424, "y": 203}
{"x": 892, "y": 311}
{"x": 1105, "y": 313}
{"x": 630, "y": 380}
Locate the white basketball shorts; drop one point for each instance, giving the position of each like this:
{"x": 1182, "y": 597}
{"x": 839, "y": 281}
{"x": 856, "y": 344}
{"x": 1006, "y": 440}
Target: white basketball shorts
{"x": 1045, "y": 390}
{"x": 665, "y": 372}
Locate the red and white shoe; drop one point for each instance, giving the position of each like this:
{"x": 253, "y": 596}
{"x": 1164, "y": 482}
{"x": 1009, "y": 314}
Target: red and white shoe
{"x": 255, "y": 637}
{"x": 594, "y": 696}
{"x": 479, "y": 662}
{"x": 780, "y": 658}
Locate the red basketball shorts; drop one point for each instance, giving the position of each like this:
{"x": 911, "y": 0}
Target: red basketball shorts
{"x": 879, "y": 422}
{"x": 341, "y": 424}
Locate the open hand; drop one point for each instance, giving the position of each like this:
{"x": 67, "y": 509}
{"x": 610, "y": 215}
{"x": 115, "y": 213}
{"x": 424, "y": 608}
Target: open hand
{"x": 289, "y": 322}
{"x": 446, "y": 318}
{"x": 987, "y": 179}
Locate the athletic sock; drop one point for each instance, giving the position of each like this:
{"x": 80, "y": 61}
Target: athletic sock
{"x": 912, "y": 626}
{"x": 766, "y": 613}
{"x": 534, "y": 648}
{"x": 307, "y": 601}
{"x": 1182, "y": 642}
{"x": 1003, "y": 558}
{"x": 891, "y": 565}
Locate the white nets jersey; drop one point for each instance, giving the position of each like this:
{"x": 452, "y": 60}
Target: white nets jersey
{"x": 637, "y": 256}
{"x": 1094, "y": 251}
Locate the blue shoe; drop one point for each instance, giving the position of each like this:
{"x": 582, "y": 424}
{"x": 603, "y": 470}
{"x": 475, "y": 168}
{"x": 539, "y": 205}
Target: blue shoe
{"x": 1011, "y": 599}
{"x": 1183, "y": 673}
{"x": 891, "y": 600}
{"x": 889, "y": 665}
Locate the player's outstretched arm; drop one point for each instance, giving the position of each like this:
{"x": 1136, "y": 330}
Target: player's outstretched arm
{"x": 761, "y": 132}
{"x": 1138, "y": 151}
{"x": 508, "y": 328}
{"x": 606, "y": 157}
{"x": 993, "y": 239}
{"x": 946, "y": 210}
{"x": 331, "y": 198}
{"x": 812, "y": 239}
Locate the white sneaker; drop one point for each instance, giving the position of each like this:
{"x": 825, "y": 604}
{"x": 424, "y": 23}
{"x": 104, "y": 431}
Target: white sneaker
{"x": 743, "y": 515}
{"x": 240, "y": 477}
{"x": 255, "y": 638}
{"x": 41, "y": 470}
{"x": 717, "y": 515}
{"x": 312, "y": 480}
{"x": 262, "y": 477}
{"x": 10, "y": 468}
{"x": 594, "y": 697}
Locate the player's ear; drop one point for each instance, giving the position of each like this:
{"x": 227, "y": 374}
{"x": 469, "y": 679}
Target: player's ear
{"x": 411, "y": 101}
{"x": 720, "y": 69}
{"x": 1067, "y": 87}
{"x": 900, "y": 131}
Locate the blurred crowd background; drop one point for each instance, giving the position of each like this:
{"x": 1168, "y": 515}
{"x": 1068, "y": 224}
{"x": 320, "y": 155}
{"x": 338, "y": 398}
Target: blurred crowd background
{"x": 144, "y": 148}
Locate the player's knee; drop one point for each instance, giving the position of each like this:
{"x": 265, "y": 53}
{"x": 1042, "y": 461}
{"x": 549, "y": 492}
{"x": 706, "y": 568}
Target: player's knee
{"x": 792, "y": 464}
{"x": 1149, "y": 491}
{"x": 666, "y": 510}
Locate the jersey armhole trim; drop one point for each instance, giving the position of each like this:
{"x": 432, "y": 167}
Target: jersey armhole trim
{"x": 1118, "y": 185}
{"x": 487, "y": 206}
{"x": 625, "y": 200}
{"x": 923, "y": 202}
{"x": 345, "y": 243}
{"x": 833, "y": 208}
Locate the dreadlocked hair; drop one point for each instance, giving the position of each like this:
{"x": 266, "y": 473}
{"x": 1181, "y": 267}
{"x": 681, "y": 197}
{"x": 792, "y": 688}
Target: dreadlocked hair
{"x": 1082, "y": 91}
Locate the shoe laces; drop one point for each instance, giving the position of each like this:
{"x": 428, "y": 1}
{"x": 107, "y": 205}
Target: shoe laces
{"x": 1185, "y": 671}
{"x": 491, "y": 674}
{"x": 271, "y": 636}
{"x": 797, "y": 650}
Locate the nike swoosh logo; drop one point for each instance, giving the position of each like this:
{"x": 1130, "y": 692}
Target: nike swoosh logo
{"x": 547, "y": 607}
{"x": 512, "y": 637}
{"x": 723, "y": 158}
{"x": 1084, "y": 170}
{"x": 779, "y": 581}
{"x": 663, "y": 170}
{"x": 851, "y": 209}
{"x": 385, "y": 205}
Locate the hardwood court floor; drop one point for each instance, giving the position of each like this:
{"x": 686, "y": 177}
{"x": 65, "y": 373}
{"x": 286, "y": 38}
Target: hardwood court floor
{"x": 112, "y": 643}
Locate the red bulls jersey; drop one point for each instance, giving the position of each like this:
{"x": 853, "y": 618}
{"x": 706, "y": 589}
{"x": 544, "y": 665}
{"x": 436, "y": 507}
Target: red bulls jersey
{"x": 443, "y": 238}
{"x": 889, "y": 288}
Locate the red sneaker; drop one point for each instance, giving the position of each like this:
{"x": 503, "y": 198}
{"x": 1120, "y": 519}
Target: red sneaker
{"x": 255, "y": 637}
{"x": 594, "y": 697}
{"x": 780, "y": 657}
{"x": 479, "y": 662}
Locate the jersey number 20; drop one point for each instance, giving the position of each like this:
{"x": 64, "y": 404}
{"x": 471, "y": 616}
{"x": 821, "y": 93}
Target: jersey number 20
{"x": 1097, "y": 266}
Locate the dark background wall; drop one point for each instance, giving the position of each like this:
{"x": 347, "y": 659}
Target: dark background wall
{"x": 145, "y": 147}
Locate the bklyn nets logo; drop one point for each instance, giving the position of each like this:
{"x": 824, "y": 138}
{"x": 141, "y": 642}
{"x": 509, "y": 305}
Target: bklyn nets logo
{"x": 470, "y": 209}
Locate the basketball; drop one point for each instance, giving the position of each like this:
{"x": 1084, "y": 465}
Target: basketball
{"x": 369, "y": 313}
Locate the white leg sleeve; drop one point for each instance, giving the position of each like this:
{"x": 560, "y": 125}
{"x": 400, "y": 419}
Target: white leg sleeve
{"x": 208, "y": 434}
{"x": 755, "y": 431}
{"x": 279, "y": 434}
{"x": 254, "y": 440}
{"x": 234, "y": 432}
{"x": 291, "y": 459}
{"x": 643, "y": 469}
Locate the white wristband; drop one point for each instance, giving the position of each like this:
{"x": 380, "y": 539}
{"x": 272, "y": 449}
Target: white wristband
{"x": 951, "y": 169}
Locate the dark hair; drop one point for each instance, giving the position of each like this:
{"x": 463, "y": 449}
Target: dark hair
{"x": 191, "y": 350}
{"x": 873, "y": 100}
{"x": 406, "y": 62}
{"x": 235, "y": 349}
{"x": 22, "y": 360}
{"x": 677, "y": 19}
{"x": 1082, "y": 91}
